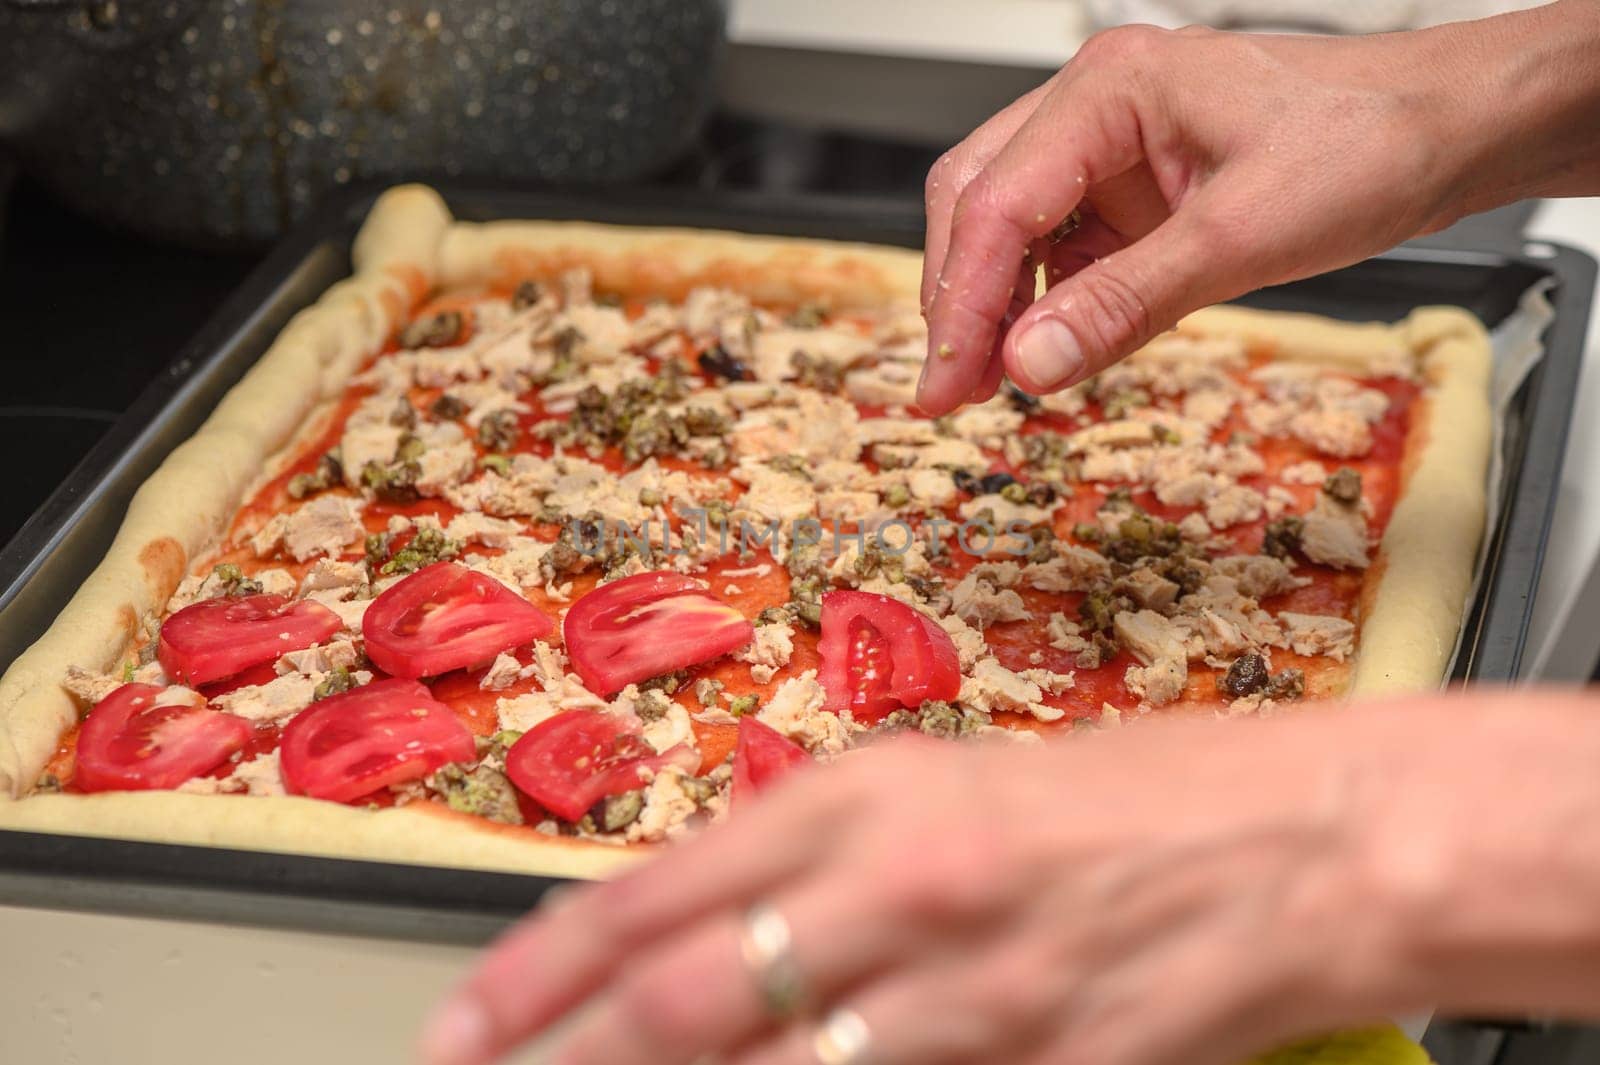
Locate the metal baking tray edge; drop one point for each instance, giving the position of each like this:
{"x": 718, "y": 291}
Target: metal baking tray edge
{"x": 64, "y": 540}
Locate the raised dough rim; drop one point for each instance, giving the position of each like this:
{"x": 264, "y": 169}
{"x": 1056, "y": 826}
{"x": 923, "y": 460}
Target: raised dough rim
{"x": 409, "y": 246}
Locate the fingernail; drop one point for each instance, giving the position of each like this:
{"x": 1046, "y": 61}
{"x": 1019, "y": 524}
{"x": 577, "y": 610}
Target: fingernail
{"x": 457, "y": 1034}
{"x": 1048, "y": 354}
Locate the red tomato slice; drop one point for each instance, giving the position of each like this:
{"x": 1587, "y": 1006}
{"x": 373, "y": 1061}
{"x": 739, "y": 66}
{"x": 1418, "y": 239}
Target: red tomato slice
{"x": 763, "y": 755}
{"x": 646, "y": 625}
{"x": 217, "y": 638}
{"x": 573, "y": 760}
{"x": 129, "y": 743}
{"x": 387, "y": 732}
{"x": 444, "y": 617}
{"x": 263, "y": 673}
{"x": 879, "y": 654}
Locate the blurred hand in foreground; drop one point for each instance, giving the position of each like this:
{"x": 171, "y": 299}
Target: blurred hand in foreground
{"x": 1172, "y": 892}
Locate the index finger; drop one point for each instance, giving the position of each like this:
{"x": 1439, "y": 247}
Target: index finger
{"x": 956, "y": 168}
{"x": 1083, "y": 134}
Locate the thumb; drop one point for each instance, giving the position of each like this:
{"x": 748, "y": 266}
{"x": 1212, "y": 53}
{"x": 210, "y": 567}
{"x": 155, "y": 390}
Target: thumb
{"x": 1114, "y": 305}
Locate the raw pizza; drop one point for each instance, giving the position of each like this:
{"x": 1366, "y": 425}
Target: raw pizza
{"x": 534, "y": 544}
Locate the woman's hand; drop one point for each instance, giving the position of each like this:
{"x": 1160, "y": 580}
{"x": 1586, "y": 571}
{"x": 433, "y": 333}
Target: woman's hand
{"x": 1173, "y": 892}
{"x": 1204, "y": 165}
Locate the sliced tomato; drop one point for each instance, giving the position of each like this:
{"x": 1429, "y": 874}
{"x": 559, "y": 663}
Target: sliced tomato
{"x": 879, "y": 654}
{"x": 573, "y": 760}
{"x": 444, "y": 617}
{"x": 129, "y": 742}
{"x": 262, "y": 673}
{"x": 217, "y": 638}
{"x": 387, "y": 732}
{"x": 646, "y": 625}
{"x": 763, "y": 755}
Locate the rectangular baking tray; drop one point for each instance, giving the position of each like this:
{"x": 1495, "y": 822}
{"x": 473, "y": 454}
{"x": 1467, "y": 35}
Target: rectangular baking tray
{"x": 66, "y": 538}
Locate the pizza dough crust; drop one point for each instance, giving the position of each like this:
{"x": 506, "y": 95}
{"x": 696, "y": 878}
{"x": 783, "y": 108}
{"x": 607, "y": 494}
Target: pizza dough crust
{"x": 409, "y": 247}
{"x": 1417, "y": 586}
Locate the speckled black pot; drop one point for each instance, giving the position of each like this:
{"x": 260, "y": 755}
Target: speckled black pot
{"x": 213, "y": 121}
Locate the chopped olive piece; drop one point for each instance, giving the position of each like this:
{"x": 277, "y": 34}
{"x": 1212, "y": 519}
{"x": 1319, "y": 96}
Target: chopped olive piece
{"x": 899, "y": 720}
{"x": 483, "y": 791}
{"x": 393, "y": 484}
{"x": 743, "y": 704}
{"x": 1246, "y": 676}
{"x": 772, "y": 615}
{"x": 506, "y": 738}
{"x": 1088, "y": 533}
{"x": 1285, "y": 684}
{"x": 874, "y": 561}
{"x": 650, "y": 497}
{"x": 819, "y": 374}
{"x": 988, "y": 484}
{"x": 794, "y": 465}
{"x": 234, "y": 582}
{"x": 1343, "y": 486}
{"x": 562, "y": 558}
{"x": 1165, "y": 435}
{"x": 335, "y": 683}
{"x": 324, "y": 475}
{"x": 1015, "y": 492}
{"x": 500, "y": 464}
{"x": 128, "y": 671}
{"x": 1282, "y": 536}
{"x": 377, "y": 548}
{"x": 650, "y": 709}
{"x": 1046, "y": 450}
{"x": 708, "y": 691}
{"x": 426, "y": 547}
{"x": 1020, "y": 400}
{"x": 1180, "y": 569}
{"x": 1120, "y": 496}
{"x": 1100, "y": 607}
{"x": 447, "y": 407}
{"x": 633, "y": 418}
{"x": 939, "y": 719}
{"x": 808, "y": 316}
{"x": 441, "y": 330}
{"x": 526, "y": 295}
{"x": 716, "y": 361}
{"x": 499, "y": 430}
{"x": 897, "y": 496}
{"x": 995, "y": 484}
{"x": 1102, "y": 649}
{"x": 410, "y": 448}
{"x": 701, "y": 790}
{"x": 404, "y": 414}
{"x": 1142, "y": 536}
{"x": 1119, "y": 403}
{"x": 703, "y": 421}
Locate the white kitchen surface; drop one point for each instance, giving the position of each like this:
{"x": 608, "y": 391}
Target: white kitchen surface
{"x": 91, "y": 989}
